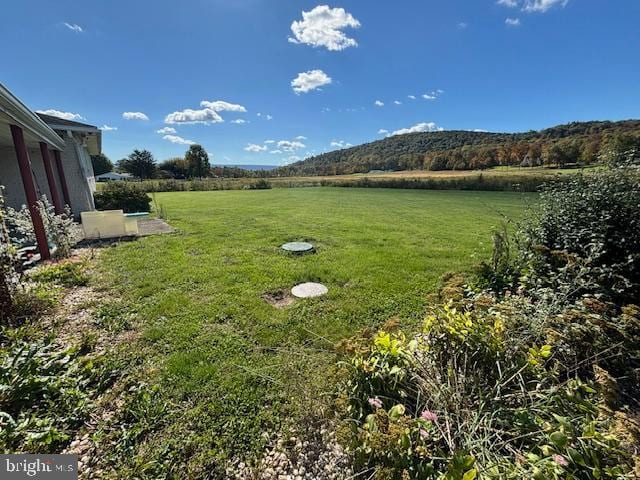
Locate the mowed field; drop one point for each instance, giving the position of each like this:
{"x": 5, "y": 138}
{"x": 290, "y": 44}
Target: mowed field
{"x": 228, "y": 365}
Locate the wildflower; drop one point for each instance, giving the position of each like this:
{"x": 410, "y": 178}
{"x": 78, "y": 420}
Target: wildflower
{"x": 560, "y": 460}
{"x": 423, "y": 433}
{"x": 375, "y": 402}
{"x": 429, "y": 416}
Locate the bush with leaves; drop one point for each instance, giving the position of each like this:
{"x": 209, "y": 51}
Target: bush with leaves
{"x": 8, "y": 265}
{"x": 495, "y": 388}
{"x": 61, "y": 230}
{"x": 122, "y": 196}
{"x": 583, "y": 237}
{"x": 586, "y": 237}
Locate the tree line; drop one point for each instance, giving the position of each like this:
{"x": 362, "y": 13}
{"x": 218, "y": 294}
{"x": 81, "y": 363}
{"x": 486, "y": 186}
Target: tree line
{"x": 194, "y": 164}
{"x": 579, "y": 143}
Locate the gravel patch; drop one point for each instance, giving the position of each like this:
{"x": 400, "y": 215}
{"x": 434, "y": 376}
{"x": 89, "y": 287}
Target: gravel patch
{"x": 316, "y": 456}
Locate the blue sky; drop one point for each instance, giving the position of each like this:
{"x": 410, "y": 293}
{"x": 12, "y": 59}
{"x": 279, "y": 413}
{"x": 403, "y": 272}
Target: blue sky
{"x": 508, "y": 65}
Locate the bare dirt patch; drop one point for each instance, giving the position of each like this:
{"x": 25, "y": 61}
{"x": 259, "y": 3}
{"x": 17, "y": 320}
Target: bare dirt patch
{"x": 278, "y": 298}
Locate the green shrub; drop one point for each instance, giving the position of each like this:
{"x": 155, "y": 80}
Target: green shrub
{"x": 586, "y": 237}
{"x": 489, "y": 389}
{"x": 122, "y": 196}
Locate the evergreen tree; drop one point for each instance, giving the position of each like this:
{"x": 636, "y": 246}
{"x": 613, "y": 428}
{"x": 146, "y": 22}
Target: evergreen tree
{"x": 140, "y": 164}
{"x": 197, "y": 162}
{"x": 101, "y": 164}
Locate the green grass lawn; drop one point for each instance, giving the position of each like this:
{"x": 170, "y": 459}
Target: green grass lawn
{"x": 231, "y": 365}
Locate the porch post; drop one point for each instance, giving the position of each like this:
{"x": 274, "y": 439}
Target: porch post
{"x": 63, "y": 180}
{"x": 55, "y": 197}
{"x": 30, "y": 191}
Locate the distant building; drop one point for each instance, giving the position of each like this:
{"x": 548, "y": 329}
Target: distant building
{"x": 114, "y": 176}
{"x": 45, "y": 155}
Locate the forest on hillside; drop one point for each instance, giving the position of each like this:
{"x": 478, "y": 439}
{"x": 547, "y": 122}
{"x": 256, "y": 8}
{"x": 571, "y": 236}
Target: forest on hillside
{"x": 578, "y": 143}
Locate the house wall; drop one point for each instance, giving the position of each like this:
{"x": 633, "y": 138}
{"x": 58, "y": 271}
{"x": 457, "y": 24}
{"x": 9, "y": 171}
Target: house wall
{"x": 75, "y": 170}
{"x": 11, "y": 179}
{"x": 74, "y": 161}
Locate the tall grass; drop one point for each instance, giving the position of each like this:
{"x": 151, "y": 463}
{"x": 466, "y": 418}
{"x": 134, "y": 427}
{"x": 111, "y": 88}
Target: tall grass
{"x": 477, "y": 182}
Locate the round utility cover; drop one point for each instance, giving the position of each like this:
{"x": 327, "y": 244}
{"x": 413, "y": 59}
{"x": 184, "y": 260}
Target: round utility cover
{"x": 309, "y": 290}
{"x": 297, "y": 247}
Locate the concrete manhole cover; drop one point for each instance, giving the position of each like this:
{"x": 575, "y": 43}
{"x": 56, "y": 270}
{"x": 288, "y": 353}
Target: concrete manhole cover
{"x": 298, "y": 247}
{"x": 309, "y": 290}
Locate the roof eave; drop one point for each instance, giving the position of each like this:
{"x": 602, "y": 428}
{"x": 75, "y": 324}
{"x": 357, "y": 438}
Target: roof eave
{"x": 28, "y": 120}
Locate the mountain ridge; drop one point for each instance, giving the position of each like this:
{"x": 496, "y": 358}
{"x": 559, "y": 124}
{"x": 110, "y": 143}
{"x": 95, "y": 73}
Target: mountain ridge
{"x": 575, "y": 142}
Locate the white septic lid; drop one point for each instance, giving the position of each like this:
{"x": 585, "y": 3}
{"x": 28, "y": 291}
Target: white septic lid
{"x": 309, "y": 290}
{"x": 297, "y": 247}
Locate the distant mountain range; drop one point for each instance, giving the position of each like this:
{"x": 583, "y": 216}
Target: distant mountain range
{"x": 578, "y": 142}
{"x": 250, "y": 167}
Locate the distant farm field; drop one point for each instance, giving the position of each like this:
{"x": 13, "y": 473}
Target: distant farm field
{"x": 511, "y": 179}
{"x": 230, "y": 365}
{"x": 502, "y": 172}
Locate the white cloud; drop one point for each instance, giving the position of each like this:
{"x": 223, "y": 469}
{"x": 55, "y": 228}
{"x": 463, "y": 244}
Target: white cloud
{"x": 397, "y": 102}
{"x": 238, "y": 121}
{"x": 340, "y": 144}
{"x": 512, "y": 22}
{"x": 107, "y": 128}
{"x": 64, "y": 115}
{"x": 301, "y": 137}
{"x": 269, "y": 142}
{"x": 311, "y": 80}
{"x": 166, "y": 131}
{"x": 379, "y": 103}
{"x": 420, "y": 127}
{"x": 322, "y": 27}
{"x": 411, "y": 97}
{"x": 479, "y": 130}
{"x": 178, "y": 140}
{"x": 134, "y": 116}
{"x": 74, "y": 27}
{"x": 220, "y": 106}
{"x": 542, "y": 5}
{"x": 290, "y": 146}
{"x": 462, "y": 25}
{"x": 294, "y": 158}
{"x": 532, "y": 6}
{"x": 188, "y": 115}
{"x": 383, "y": 131}
{"x": 207, "y": 114}
{"x": 255, "y": 148}
{"x": 276, "y": 152}
{"x": 433, "y": 95}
